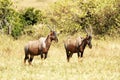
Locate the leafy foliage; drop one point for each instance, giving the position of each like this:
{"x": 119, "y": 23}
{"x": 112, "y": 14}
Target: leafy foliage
{"x": 10, "y": 19}
{"x": 31, "y": 16}
{"x": 13, "y": 22}
{"x": 70, "y": 16}
{"x": 5, "y": 12}
{"x": 102, "y": 15}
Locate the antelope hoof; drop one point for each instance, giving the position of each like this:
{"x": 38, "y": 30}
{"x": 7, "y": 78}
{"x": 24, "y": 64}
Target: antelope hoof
{"x": 24, "y": 61}
{"x": 30, "y": 63}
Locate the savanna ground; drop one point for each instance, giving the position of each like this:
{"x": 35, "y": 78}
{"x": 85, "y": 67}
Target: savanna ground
{"x": 102, "y": 62}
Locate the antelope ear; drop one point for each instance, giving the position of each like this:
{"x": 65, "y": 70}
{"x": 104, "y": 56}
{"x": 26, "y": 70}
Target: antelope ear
{"x": 54, "y": 27}
{"x": 91, "y": 30}
{"x": 50, "y": 28}
{"x": 86, "y": 30}
{"x": 87, "y": 36}
{"x": 51, "y": 31}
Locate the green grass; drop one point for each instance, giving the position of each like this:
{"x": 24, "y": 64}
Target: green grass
{"x": 102, "y": 62}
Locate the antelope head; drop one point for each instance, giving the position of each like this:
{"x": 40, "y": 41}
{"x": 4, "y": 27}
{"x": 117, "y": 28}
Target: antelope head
{"x": 89, "y": 37}
{"x": 53, "y": 34}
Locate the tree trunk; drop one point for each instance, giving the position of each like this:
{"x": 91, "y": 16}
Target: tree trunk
{"x": 9, "y": 26}
{"x": 9, "y": 29}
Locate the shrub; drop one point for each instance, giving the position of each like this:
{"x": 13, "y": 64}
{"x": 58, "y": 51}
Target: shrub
{"x": 13, "y": 22}
{"x": 31, "y": 16}
{"x": 102, "y": 15}
{"x": 10, "y": 19}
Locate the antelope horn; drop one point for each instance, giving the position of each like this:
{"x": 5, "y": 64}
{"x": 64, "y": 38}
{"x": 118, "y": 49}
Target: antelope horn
{"x": 86, "y": 30}
{"x": 49, "y": 28}
{"x": 91, "y": 30}
{"x": 54, "y": 27}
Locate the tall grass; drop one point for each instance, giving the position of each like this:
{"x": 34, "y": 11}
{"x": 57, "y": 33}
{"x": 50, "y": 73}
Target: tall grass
{"x": 102, "y": 62}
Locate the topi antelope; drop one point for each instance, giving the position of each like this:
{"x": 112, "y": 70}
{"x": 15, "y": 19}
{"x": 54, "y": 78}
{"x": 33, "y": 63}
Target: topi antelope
{"x": 39, "y": 47}
{"x": 77, "y": 45}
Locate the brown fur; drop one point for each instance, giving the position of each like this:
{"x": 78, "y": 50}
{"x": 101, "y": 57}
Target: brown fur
{"x": 39, "y": 47}
{"x": 77, "y": 45}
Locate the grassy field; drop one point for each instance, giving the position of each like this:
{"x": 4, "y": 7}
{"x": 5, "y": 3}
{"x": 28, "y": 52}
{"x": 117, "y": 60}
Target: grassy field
{"x": 102, "y": 62}
{"x": 38, "y": 4}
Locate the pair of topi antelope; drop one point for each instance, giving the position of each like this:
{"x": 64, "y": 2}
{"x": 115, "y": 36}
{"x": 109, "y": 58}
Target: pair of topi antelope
{"x": 41, "y": 46}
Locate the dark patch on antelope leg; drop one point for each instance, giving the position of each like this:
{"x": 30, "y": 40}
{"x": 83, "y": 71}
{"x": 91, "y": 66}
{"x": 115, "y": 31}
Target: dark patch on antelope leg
{"x": 78, "y": 54}
{"x": 26, "y": 57}
{"x": 45, "y": 56}
{"x": 41, "y": 55}
{"x": 81, "y": 54}
{"x": 30, "y": 60}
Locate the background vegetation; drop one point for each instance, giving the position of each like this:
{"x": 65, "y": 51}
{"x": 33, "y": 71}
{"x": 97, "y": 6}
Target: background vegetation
{"x": 102, "y": 15}
{"x": 69, "y": 16}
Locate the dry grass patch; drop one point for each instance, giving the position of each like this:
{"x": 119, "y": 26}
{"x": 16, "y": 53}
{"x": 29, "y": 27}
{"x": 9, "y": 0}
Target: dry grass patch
{"x": 38, "y": 4}
{"x": 100, "y": 63}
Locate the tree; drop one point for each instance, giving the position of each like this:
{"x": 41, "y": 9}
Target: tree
{"x": 5, "y": 14}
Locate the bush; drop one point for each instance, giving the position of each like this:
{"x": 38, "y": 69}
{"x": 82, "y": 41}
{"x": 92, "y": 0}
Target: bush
{"x": 10, "y": 19}
{"x": 102, "y": 15}
{"x": 31, "y": 16}
{"x": 16, "y": 32}
{"x": 70, "y": 16}
{"x": 13, "y": 22}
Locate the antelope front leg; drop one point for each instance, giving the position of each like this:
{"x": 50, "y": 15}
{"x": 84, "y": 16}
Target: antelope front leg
{"x": 41, "y": 55}
{"x": 68, "y": 55}
{"x": 26, "y": 57}
{"x": 81, "y": 54}
{"x": 31, "y": 58}
{"x": 45, "y": 56}
{"x": 78, "y": 56}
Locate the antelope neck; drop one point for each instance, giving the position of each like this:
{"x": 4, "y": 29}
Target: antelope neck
{"x": 84, "y": 43}
{"x": 48, "y": 41}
